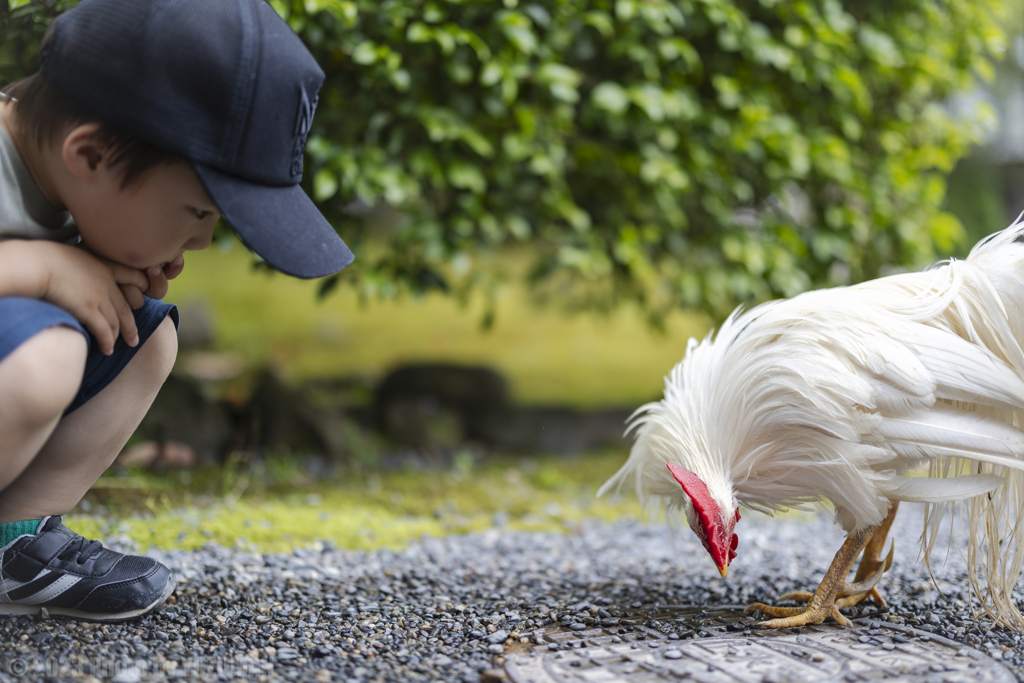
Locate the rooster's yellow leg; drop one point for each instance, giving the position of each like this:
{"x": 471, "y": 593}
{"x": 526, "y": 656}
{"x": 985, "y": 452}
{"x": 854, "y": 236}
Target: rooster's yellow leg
{"x": 869, "y": 564}
{"x": 872, "y": 560}
{"x": 822, "y": 603}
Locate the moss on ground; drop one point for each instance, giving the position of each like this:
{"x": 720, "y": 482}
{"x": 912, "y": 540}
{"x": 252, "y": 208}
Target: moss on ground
{"x": 277, "y": 507}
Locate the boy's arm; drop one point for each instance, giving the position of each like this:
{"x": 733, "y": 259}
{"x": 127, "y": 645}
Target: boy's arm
{"x": 78, "y": 282}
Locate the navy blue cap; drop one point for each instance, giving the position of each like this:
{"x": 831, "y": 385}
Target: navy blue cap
{"x": 227, "y": 85}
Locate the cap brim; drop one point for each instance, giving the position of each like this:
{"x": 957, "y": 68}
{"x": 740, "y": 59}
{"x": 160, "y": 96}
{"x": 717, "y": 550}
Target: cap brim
{"x": 281, "y": 224}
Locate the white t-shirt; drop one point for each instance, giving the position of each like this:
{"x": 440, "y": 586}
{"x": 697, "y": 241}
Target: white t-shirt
{"x": 24, "y": 211}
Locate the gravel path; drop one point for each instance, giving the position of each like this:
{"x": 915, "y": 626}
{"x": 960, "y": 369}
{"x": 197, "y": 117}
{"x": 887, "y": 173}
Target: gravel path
{"x": 441, "y": 609}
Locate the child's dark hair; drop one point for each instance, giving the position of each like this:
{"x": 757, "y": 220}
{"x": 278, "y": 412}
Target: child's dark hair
{"x": 45, "y": 112}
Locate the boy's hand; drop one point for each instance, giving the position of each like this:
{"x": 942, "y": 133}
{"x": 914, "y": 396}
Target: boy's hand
{"x": 82, "y": 284}
{"x": 157, "y": 277}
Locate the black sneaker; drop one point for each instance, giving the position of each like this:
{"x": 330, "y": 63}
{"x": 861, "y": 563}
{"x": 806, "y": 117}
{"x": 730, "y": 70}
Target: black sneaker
{"x": 57, "y": 569}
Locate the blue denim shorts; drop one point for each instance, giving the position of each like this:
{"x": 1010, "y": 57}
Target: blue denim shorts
{"x": 21, "y": 319}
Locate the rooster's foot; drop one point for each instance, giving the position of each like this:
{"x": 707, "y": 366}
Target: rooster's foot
{"x": 818, "y": 610}
{"x": 834, "y": 592}
{"x": 850, "y": 594}
{"x": 874, "y": 595}
{"x": 797, "y": 616}
{"x": 822, "y": 603}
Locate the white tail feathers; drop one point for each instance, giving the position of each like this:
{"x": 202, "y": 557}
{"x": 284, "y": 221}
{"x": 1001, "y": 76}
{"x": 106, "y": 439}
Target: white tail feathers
{"x": 928, "y": 490}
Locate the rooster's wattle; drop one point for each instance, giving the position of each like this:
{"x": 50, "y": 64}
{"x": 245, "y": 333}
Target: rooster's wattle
{"x": 834, "y": 397}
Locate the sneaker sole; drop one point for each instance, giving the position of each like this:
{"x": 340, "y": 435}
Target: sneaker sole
{"x": 16, "y": 609}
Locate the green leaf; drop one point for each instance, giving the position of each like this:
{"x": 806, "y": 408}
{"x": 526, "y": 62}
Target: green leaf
{"x": 490, "y": 74}
{"x": 518, "y": 30}
{"x": 467, "y": 177}
{"x": 401, "y": 79}
{"x": 344, "y": 11}
{"x": 419, "y": 32}
{"x": 325, "y": 185}
{"x": 365, "y": 53}
{"x": 611, "y": 97}
{"x": 729, "y": 90}
{"x": 880, "y": 47}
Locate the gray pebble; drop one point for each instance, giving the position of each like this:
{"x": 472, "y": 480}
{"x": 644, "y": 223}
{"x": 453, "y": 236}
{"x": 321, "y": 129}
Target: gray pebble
{"x": 672, "y": 654}
{"x": 129, "y": 675}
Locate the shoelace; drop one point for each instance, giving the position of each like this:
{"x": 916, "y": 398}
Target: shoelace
{"x": 89, "y": 548}
{"x": 83, "y": 548}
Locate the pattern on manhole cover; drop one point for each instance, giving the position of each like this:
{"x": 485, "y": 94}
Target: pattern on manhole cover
{"x": 873, "y": 651}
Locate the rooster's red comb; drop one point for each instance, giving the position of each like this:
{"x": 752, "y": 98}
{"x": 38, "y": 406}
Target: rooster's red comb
{"x": 722, "y": 549}
{"x": 697, "y": 490}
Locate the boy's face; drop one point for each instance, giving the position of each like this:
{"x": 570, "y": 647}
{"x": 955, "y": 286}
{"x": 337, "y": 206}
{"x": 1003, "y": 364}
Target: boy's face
{"x": 151, "y": 222}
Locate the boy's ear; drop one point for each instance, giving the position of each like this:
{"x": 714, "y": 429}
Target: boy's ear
{"x": 83, "y": 152}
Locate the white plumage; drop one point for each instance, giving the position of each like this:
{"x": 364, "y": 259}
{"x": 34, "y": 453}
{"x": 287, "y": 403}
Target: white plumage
{"x": 836, "y": 395}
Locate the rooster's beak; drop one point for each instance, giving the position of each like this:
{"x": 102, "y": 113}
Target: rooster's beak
{"x": 723, "y": 570}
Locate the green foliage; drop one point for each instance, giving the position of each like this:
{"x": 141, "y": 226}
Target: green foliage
{"x": 693, "y": 153}
{"x": 22, "y": 26}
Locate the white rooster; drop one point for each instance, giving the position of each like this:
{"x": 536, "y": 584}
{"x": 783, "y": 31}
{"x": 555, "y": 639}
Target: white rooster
{"x": 834, "y": 397}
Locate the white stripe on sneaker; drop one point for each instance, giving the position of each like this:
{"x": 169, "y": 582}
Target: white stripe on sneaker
{"x": 53, "y": 590}
{"x": 8, "y": 585}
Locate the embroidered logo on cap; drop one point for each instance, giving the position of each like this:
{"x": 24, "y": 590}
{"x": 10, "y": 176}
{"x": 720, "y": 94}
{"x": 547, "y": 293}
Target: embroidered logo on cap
{"x": 303, "y": 122}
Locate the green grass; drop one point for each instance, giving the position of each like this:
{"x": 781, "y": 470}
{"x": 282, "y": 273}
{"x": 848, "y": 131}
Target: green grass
{"x": 276, "y": 507}
{"x": 549, "y": 357}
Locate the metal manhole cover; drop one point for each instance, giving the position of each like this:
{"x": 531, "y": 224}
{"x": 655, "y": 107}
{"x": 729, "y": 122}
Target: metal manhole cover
{"x": 874, "y": 651}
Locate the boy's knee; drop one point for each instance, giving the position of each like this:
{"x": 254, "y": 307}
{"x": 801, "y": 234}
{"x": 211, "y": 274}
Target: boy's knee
{"x": 160, "y": 351}
{"x": 41, "y": 378}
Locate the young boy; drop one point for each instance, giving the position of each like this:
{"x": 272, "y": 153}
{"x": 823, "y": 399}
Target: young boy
{"x": 148, "y": 120}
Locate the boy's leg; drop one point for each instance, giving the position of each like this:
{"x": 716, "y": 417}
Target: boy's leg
{"x": 38, "y": 380}
{"x": 50, "y": 565}
{"x": 86, "y": 441}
